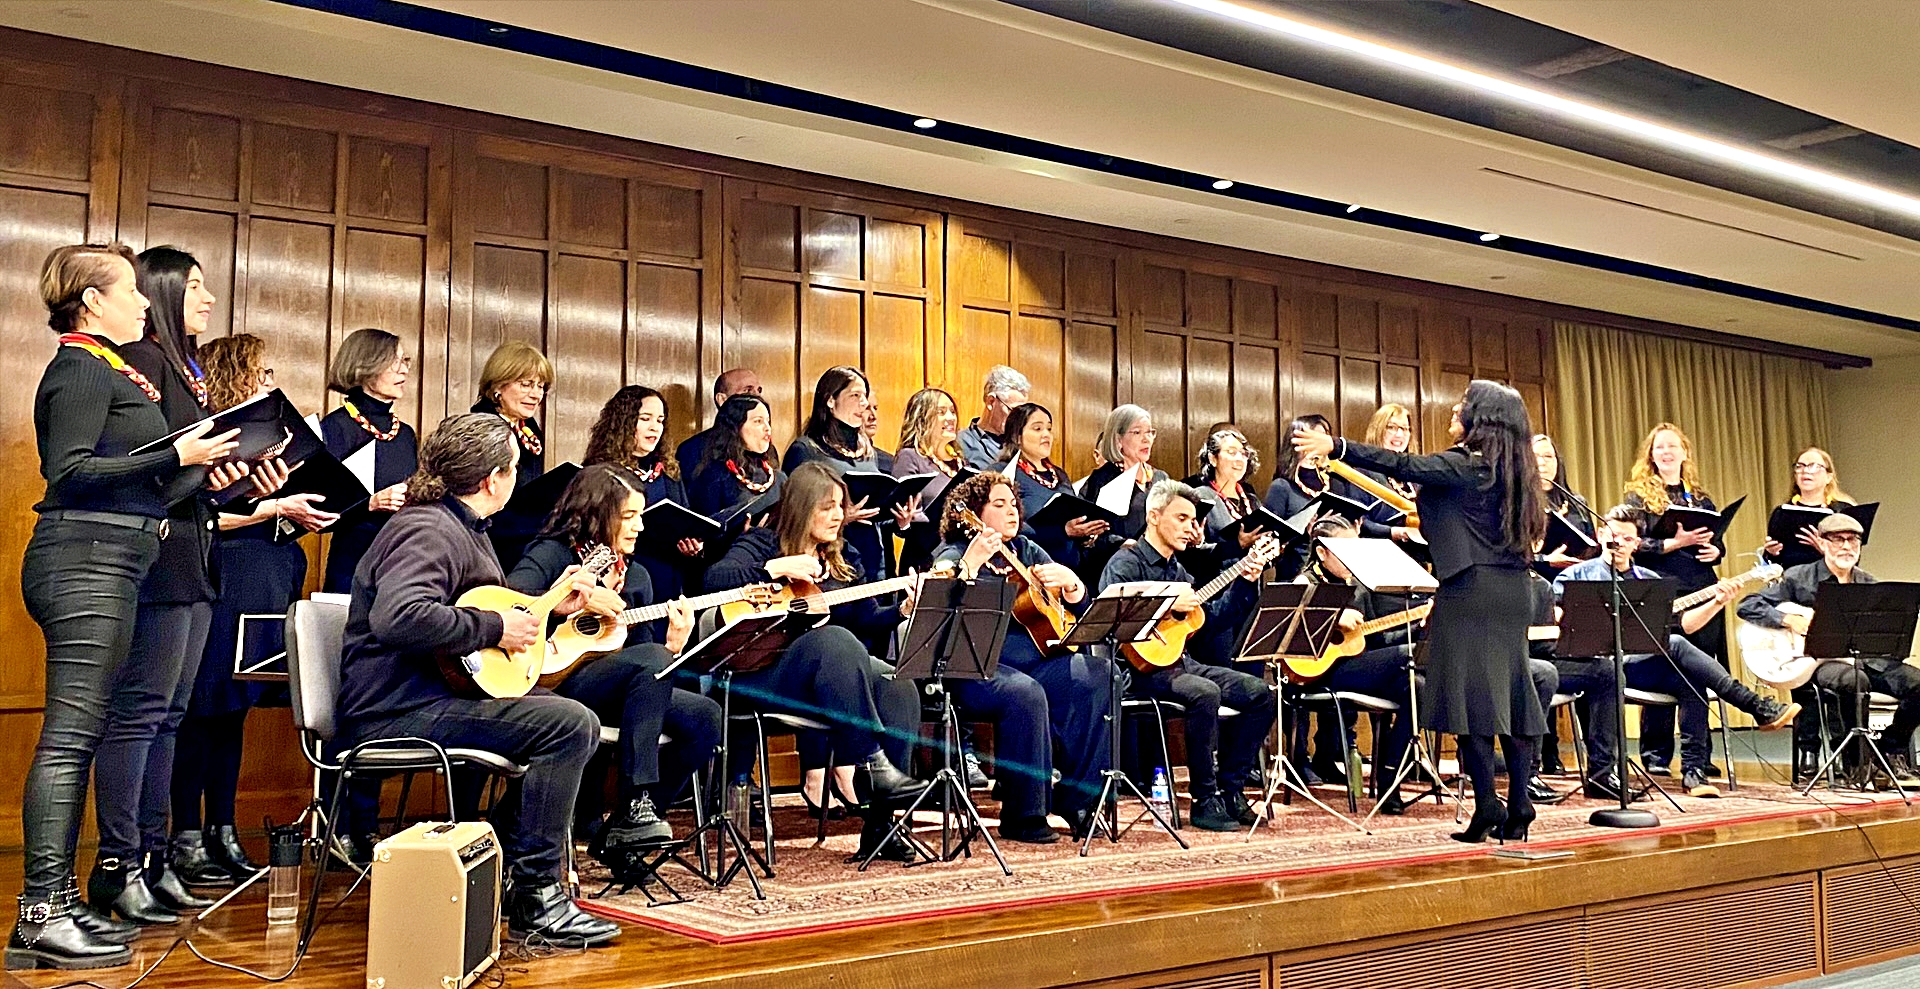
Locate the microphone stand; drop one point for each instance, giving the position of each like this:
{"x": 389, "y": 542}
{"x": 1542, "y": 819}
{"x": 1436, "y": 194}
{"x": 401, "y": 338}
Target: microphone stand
{"x": 1623, "y": 816}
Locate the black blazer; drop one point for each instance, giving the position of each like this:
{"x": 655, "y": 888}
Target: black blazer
{"x": 1460, "y": 512}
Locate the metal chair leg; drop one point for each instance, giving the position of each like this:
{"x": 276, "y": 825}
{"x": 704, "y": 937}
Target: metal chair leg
{"x": 1346, "y": 751}
{"x": 764, "y": 771}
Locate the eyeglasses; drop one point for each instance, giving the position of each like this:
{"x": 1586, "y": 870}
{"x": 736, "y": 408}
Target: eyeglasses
{"x": 1808, "y": 468}
{"x": 1396, "y": 428}
{"x": 402, "y": 364}
{"x": 1148, "y": 433}
{"x": 266, "y": 374}
{"x": 1843, "y": 539}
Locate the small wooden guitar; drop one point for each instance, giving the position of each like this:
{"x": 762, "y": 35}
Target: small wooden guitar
{"x": 583, "y": 635}
{"x": 494, "y": 672}
{"x": 1169, "y": 639}
{"x": 1352, "y": 642}
{"x": 801, "y": 595}
{"x": 1038, "y": 609}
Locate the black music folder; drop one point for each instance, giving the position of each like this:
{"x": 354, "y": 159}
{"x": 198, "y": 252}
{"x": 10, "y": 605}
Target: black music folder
{"x": 1327, "y": 503}
{"x": 1784, "y": 526}
{"x": 322, "y": 474}
{"x": 1262, "y": 519}
{"x": 758, "y": 511}
{"x": 269, "y": 427}
{"x": 667, "y": 522}
{"x": 537, "y": 499}
{"x": 1066, "y": 506}
{"x": 1677, "y": 516}
{"x": 1562, "y": 532}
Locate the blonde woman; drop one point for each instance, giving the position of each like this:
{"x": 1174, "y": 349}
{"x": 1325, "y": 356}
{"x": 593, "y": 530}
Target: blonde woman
{"x": 513, "y": 384}
{"x": 1817, "y": 485}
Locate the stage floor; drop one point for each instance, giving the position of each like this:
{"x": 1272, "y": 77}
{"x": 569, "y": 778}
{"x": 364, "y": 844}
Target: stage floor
{"x": 1274, "y": 930}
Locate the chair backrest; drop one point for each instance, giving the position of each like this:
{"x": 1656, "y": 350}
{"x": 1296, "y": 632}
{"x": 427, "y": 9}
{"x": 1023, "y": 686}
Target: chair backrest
{"x": 315, "y": 630}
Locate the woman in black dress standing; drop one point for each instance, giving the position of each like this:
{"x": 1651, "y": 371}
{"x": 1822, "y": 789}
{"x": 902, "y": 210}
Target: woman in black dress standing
{"x": 628, "y": 434}
{"x": 738, "y": 468}
{"x": 1480, "y": 507}
{"x": 262, "y": 568}
{"x": 370, "y": 372}
{"x": 1124, "y": 449}
{"x": 513, "y": 384}
{"x": 99, "y": 532}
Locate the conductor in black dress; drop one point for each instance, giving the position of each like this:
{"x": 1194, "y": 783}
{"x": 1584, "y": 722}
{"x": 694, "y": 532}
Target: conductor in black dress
{"x": 1480, "y": 509}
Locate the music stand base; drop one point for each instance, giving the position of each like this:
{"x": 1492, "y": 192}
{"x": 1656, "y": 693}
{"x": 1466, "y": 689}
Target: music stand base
{"x": 746, "y": 857}
{"x": 1623, "y": 817}
{"x": 1106, "y": 813}
{"x": 1865, "y": 738}
{"x": 956, "y": 803}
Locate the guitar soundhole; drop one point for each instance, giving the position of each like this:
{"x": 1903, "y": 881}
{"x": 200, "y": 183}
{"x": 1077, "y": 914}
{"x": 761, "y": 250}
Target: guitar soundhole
{"x": 587, "y": 625}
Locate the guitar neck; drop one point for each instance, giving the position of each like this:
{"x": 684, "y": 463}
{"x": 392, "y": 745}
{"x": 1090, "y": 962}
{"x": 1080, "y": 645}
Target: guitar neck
{"x": 654, "y": 612}
{"x": 1385, "y": 622}
{"x": 1705, "y": 594}
{"x": 875, "y": 589}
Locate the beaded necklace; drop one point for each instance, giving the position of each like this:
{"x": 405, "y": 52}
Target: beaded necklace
{"x": 650, "y": 474}
{"x": 1049, "y": 478}
{"x": 527, "y": 438}
{"x": 757, "y": 487}
{"x": 1236, "y": 502}
{"x": 82, "y": 341}
{"x": 368, "y": 426}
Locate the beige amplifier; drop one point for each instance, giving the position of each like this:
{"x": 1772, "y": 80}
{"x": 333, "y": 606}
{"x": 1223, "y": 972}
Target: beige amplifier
{"x": 435, "y": 918}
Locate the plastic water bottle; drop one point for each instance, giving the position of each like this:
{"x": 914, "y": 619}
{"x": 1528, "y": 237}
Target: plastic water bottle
{"x": 1161, "y": 796}
{"x": 286, "y": 848}
{"x": 740, "y": 802}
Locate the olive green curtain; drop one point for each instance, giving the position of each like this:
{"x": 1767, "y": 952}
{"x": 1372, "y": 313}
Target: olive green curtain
{"x": 1748, "y": 414}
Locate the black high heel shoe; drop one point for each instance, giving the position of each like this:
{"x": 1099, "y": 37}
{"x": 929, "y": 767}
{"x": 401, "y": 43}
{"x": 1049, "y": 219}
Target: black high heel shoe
{"x": 1518, "y": 820}
{"x": 1486, "y": 819}
{"x": 814, "y": 811}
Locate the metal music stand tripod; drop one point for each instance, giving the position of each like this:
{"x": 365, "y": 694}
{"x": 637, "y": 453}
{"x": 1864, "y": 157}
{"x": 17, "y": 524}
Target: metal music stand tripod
{"x": 1854, "y": 621}
{"x": 1110, "y": 621}
{"x": 1293, "y": 620}
{"x": 1593, "y": 623}
{"x": 956, "y": 633}
{"x": 747, "y": 644}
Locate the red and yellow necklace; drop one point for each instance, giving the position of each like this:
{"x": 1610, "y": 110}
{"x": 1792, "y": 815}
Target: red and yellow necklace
{"x": 757, "y": 487}
{"x": 364, "y": 424}
{"x": 1049, "y": 478}
{"x": 527, "y": 437}
{"x": 82, "y": 341}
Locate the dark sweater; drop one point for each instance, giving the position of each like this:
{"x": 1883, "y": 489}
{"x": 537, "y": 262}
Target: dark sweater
{"x": 512, "y": 531}
{"x": 394, "y": 461}
{"x": 546, "y": 558}
{"x": 184, "y": 572}
{"x": 402, "y": 615}
{"x": 88, "y": 419}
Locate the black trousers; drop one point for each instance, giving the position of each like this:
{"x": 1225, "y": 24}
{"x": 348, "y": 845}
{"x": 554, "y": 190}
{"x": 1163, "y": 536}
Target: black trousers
{"x": 133, "y": 771}
{"x": 1887, "y": 676}
{"x": 81, "y": 583}
{"x": 554, "y": 736}
{"x": 827, "y": 675}
{"x": 1016, "y": 704}
{"x": 1080, "y": 688}
{"x": 1656, "y": 723}
{"x": 1233, "y": 743}
{"x": 622, "y": 689}
{"x": 1597, "y": 680}
{"x": 206, "y": 764}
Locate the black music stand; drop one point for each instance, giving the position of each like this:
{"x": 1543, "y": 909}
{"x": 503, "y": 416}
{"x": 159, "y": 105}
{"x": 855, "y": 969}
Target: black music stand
{"x": 1292, "y": 620}
{"x": 1592, "y": 623}
{"x": 749, "y": 643}
{"x": 1110, "y": 621}
{"x": 1855, "y": 620}
{"x": 956, "y": 633}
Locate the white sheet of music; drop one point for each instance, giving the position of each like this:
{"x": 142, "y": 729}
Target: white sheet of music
{"x": 1116, "y": 496}
{"x": 360, "y": 464}
{"x": 1380, "y": 565}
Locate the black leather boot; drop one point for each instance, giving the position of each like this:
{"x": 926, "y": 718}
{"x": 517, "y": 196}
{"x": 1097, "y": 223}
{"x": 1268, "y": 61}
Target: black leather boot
{"x": 117, "y": 887}
{"x": 223, "y": 844}
{"x": 887, "y": 781}
{"x": 93, "y": 921}
{"x": 46, "y": 936}
{"x": 194, "y": 864}
{"x": 548, "y": 912}
{"x": 167, "y": 887}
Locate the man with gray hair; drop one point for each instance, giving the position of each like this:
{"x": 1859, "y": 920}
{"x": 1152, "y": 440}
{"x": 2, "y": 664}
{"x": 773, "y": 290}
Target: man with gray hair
{"x": 980, "y": 442}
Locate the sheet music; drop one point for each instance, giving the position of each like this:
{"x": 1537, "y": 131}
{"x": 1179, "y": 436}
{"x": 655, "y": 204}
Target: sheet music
{"x": 360, "y": 464}
{"x": 1012, "y": 469}
{"x": 1116, "y": 496}
{"x": 1145, "y": 589}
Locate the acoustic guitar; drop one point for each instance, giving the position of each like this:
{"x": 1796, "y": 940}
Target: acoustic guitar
{"x": 802, "y": 595}
{"x": 1038, "y": 609}
{"x": 1352, "y": 642}
{"x": 583, "y": 635}
{"x": 1169, "y": 639}
{"x": 494, "y": 672}
{"x": 1777, "y": 655}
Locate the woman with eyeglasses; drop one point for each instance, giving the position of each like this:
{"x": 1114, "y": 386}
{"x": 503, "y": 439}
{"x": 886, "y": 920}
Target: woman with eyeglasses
{"x": 1124, "y": 449}
{"x": 1391, "y": 428}
{"x": 1815, "y": 485}
{"x": 370, "y": 372}
{"x": 513, "y": 384}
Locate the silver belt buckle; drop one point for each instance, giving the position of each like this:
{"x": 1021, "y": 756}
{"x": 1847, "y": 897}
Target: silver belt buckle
{"x": 166, "y": 528}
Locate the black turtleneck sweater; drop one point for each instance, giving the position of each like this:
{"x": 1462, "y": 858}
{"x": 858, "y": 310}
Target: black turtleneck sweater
{"x": 394, "y": 461}
{"x": 88, "y": 419}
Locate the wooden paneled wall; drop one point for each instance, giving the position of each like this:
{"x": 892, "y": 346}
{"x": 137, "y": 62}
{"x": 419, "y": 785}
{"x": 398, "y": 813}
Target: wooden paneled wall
{"x": 315, "y": 211}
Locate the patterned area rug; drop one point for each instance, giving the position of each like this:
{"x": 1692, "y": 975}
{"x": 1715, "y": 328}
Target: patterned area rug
{"x": 814, "y": 888}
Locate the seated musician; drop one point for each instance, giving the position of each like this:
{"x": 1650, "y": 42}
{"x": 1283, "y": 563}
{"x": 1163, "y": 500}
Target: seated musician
{"x": 827, "y": 674}
{"x": 1219, "y": 803}
{"x": 1688, "y": 675}
{"x": 402, "y": 617}
{"x": 1074, "y": 697}
{"x": 1840, "y": 537}
{"x": 601, "y": 507}
{"x": 1380, "y": 671}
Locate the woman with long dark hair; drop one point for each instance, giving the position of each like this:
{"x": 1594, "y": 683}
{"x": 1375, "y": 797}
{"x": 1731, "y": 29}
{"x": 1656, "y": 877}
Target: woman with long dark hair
{"x": 836, "y": 436}
{"x": 629, "y": 433}
{"x": 262, "y": 568}
{"x": 738, "y": 468}
{"x": 602, "y": 507}
{"x": 1027, "y": 457}
{"x": 100, "y": 528}
{"x": 370, "y": 371}
{"x": 1558, "y": 498}
{"x": 1297, "y": 481}
{"x": 1480, "y": 502}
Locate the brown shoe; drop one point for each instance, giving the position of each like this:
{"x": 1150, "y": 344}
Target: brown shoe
{"x": 1697, "y": 784}
{"x": 1774, "y": 715}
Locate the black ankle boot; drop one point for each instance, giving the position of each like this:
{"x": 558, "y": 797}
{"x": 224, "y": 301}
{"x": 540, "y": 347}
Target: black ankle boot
{"x": 117, "y": 887}
{"x": 93, "y": 921}
{"x": 46, "y": 936}
{"x": 547, "y": 911}
{"x": 887, "y": 781}
{"x": 194, "y": 864}
{"x": 223, "y": 844}
{"x": 166, "y": 886}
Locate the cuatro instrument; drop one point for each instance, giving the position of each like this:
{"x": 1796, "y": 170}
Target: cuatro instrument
{"x": 1038, "y": 609}
{"x": 494, "y": 672}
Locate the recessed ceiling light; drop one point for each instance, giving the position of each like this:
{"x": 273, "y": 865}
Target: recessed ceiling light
{"x": 924, "y": 123}
{"x": 1035, "y": 171}
{"x": 1489, "y": 238}
{"x": 1222, "y": 185}
{"x": 496, "y": 29}
{"x": 1599, "y": 117}
{"x": 1355, "y": 208}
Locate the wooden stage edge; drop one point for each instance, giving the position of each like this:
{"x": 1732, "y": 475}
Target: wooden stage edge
{"x": 1739, "y": 905}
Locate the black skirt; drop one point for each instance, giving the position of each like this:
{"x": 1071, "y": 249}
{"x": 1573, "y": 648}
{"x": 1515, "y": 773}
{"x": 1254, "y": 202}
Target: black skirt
{"x": 261, "y": 578}
{"x": 1477, "y": 681}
